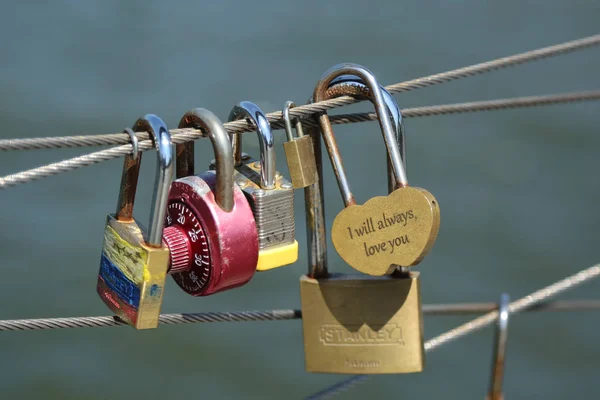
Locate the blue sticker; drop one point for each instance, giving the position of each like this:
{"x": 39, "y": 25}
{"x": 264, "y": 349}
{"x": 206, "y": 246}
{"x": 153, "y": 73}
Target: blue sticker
{"x": 119, "y": 283}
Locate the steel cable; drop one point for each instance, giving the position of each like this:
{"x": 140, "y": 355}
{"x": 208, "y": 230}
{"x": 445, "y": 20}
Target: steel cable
{"x": 272, "y": 315}
{"x": 533, "y": 302}
{"x": 185, "y": 135}
{"x": 306, "y": 111}
{"x": 164, "y": 319}
{"x": 476, "y": 324}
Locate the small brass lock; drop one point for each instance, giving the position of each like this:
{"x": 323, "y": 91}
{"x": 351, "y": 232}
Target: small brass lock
{"x": 298, "y": 152}
{"x": 356, "y": 324}
{"x": 270, "y": 195}
{"x": 134, "y": 263}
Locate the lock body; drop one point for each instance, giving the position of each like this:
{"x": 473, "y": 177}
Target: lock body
{"x": 222, "y": 246}
{"x": 362, "y": 325}
{"x": 298, "y": 152}
{"x": 273, "y": 211}
{"x": 301, "y": 161}
{"x": 132, "y": 274}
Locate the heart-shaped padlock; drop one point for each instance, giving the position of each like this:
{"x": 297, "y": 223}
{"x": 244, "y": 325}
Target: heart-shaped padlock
{"x": 385, "y": 232}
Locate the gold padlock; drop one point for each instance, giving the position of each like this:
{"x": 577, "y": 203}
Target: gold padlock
{"x": 298, "y": 152}
{"x": 354, "y": 323}
{"x": 362, "y": 325}
{"x": 134, "y": 263}
{"x": 385, "y": 232}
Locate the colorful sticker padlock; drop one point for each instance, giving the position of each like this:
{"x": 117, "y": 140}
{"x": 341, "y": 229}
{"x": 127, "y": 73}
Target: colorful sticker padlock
{"x": 134, "y": 263}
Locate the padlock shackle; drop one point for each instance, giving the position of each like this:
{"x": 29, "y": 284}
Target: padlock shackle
{"x": 288, "y": 121}
{"x": 320, "y": 94}
{"x": 129, "y": 179}
{"x": 200, "y": 118}
{"x": 353, "y": 85}
{"x": 266, "y": 139}
{"x": 164, "y": 173}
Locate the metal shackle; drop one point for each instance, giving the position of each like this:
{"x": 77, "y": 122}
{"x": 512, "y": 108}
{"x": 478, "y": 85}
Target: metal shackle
{"x": 345, "y": 85}
{"x": 501, "y": 335}
{"x": 162, "y": 181}
{"x": 200, "y": 118}
{"x": 266, "y": 139}
{"x": 385, "y": 123}
{"x": 129, "y": 179}
{"x": 135, "y": 143}
{"x": 352, "y": 85}
{"x": 288, "y": 122}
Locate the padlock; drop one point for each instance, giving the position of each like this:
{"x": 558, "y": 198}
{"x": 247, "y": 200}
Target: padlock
{"x": 298, "y": 152}
{"x": 134, "y": 263}
{"x": 314, "y": 201}
{"x": 385, "y": 232}
{"x": 357, "y": 324}
{"x": 270, "y": 195}
{"x": 210, "y": 226}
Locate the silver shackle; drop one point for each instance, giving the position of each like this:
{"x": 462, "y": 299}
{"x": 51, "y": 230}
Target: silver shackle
{"x": 164, "y": 173}
{"x": 248, "y": 110}
{"x": 287, "y": 121}
{"x": 214, "y": 129}
{"x": 362, "y": 91}
{"x": 320, "y": 93}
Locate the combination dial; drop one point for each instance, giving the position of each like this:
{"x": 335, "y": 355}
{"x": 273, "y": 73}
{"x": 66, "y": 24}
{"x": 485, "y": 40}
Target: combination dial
{"x": 190, "y": 253}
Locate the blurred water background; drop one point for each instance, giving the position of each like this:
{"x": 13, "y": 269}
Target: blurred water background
{"x": 518, "y": 189}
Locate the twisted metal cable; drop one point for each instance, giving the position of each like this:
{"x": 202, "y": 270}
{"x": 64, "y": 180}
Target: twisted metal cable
{"x": 68, "y": 141}
{"x": 306, "y": 111}
{"x": 476, "y": 324}
{"x": 164, "y": 319}
{"x": 477, "y": 106}
{"x": 185, "y": 135}
{"x": 273, "y": 315}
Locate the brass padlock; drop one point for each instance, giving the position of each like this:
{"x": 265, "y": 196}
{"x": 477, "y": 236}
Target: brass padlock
{"x": 356, "y": 324}
{"x": 386, "y": 231}
{"x": 270, "y": 195}
{"x": 134, "y": 263}
{"x": 298, "y": 152}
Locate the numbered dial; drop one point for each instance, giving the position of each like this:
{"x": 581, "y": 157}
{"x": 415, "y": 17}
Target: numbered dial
{"x": 190, "y": 254}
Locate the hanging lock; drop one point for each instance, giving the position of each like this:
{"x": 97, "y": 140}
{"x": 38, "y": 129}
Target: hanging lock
{"x": 210, "y": 226}
{"x": 356, "y": 324}
{"x": 385, "y": 232}
{"x": 270, "y": 195}
{"x": 134, "y": 264}
{"x": 298, "y": 152}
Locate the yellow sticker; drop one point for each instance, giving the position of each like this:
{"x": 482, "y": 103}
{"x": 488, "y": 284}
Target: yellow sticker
{"x": 130, "y": 260}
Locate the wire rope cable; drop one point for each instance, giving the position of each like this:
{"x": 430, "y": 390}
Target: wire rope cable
{"x": 185, "y": 135}
{"x": 306, "y": 111}
{"x": 273, "y": 315}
